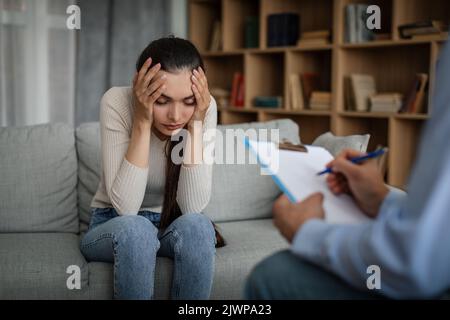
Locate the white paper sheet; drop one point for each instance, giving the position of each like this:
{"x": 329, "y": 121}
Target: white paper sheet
{"x": 296, "y": 175}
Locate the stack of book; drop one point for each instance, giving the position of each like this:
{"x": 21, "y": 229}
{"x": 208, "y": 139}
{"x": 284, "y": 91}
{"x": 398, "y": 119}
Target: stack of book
{"x": 386, "y": 102}
{"x": 415, "y": 99}
{"x": 283, "y": 29}
{"x": 424, "y": 29}
{"x": 237, "y": 90}
{"x": 356, "y": 30}
{"x": 320, "y": 100}
{"x": 358, "y": 89}
{"x": 221, "y": 95}
{"x": 301, "y": 88}
{"x": 268, "y": 101}
{"x": 314, "y": 38}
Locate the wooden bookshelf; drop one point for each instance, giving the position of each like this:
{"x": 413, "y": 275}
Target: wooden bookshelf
{"x": 392, "y": 61}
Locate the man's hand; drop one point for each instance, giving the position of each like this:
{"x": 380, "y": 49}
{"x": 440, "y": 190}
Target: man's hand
{"x": 362, "y": 181}
{"x": 288, "y": 217}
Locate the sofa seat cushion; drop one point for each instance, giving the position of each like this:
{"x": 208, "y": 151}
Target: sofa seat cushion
{"x": 248, "y": 242}
{"x": 34, "y": 266}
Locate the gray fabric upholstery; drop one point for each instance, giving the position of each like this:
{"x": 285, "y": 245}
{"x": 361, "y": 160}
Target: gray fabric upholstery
{"x": 89, "y": 168}
{"x": 38, "y": 170}
{"x": 335, "y": 144}
{"x": 33, "y": 266}
{"x": 239, "y": 192}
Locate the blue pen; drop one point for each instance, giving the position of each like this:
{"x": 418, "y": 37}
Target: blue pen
{"x": 370, "y": 155}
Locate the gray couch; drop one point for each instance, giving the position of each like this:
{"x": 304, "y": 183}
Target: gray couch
{"x": 48, "y": 176}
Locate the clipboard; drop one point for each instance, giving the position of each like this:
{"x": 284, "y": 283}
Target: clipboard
{"x": 296, "y": 176}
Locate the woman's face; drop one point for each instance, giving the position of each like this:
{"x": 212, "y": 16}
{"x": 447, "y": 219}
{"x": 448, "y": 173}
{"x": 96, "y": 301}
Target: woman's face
{"x": 175, "y": 107}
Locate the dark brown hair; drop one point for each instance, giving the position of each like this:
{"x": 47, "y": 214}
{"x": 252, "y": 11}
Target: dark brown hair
{"x": 173, "y": 54}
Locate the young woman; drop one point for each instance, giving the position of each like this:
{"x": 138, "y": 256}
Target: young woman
{"x": 147, "y": 204}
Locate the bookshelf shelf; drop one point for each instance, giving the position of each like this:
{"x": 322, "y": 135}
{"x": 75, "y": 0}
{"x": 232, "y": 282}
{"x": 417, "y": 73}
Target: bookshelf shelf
{"x": 299, "y": 112}
{"x": 264, "y": 75}
{"x": 354, "y": 114}
{"x": 239, "y": 110}
{"x": 393, "y": 62}
{"x": 388, "y": 43}
{"x": 412, "y": 116}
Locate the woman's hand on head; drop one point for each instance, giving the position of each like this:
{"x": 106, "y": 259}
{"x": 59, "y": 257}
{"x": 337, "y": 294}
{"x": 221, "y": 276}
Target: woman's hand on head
{"x": 201, "y": 93}
{"x": 148, "y": 85}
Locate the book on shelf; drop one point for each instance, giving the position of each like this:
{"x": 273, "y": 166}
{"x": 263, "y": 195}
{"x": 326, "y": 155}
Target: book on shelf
{"x": 237, "y": 90}
{"x": 221, "y": 95}
{"x": 216, "y": 36}
{"x": 296, "y": 93}
{"x": 429, "y": 27}
{"x": 251, "y": 32}
{"x": 310, "y": 82}
{"x": 386, "y": 102}
{"x": 268, "y": 101}
{"x": 358, "y": 89}
{"x": 356, "y": 30}
{"x": 283, "y": 29}
{"x": 314, "y": 38}
{"x": 414, "y": 101}
{"x": 320, "y": 100}
{"x": 428, "y": 37}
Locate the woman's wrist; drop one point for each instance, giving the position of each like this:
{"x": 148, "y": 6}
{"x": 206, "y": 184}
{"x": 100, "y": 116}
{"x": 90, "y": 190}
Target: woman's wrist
{"x": 142, "y": 125}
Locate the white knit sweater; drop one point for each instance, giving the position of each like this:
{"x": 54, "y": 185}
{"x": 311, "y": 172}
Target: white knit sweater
{"x": 129, "y": 188}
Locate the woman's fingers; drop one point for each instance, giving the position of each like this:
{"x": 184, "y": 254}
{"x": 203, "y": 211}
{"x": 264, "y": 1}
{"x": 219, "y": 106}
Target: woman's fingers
{"x": 135, "y": 79}
{"x": 200, "y": 77}
{"x": 156, "y": 94}
{"x": 156, "y": 84}
{"x": 144, "y": 69}
{"x": 203, "y": 76}
{"x": 150, "y": 74}
{"x": 198, "y": 96}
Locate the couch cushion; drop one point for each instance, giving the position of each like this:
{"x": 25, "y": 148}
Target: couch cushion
{"x": 248, "y": 242}
{"x": 89, "y": 168}
{"x": 38, "y": 170}
{"x": 34, "y": 266}
{"x": 239, "y": 192}
{"x": 335, "y": 144}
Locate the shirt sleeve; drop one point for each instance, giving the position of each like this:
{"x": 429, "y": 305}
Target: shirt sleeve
{"x": 406, "y": 243}
{"x": 194, "y": 184}
{"x": 125, "y": 183}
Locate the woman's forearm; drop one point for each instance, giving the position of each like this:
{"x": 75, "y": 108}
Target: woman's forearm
{"x": 193, "y": 152}
{"x": 139, "y": 146}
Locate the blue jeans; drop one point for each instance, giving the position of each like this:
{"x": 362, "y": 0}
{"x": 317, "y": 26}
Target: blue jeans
{"x": 286, "y": 276}
{"x": 132, "y": 243}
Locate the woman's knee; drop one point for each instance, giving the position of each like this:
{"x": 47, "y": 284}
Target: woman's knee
{"x": 136, "y": 231}
{"x": 195, "y": 228}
